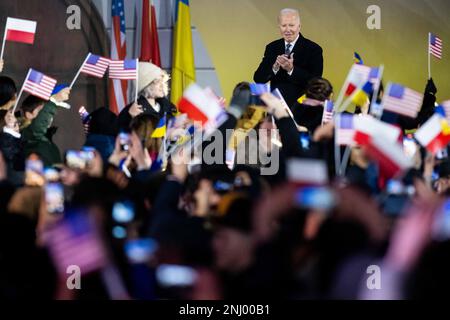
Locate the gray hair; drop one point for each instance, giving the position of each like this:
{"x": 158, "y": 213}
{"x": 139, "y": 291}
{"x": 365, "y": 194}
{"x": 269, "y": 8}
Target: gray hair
{"x": 286, "y": 11}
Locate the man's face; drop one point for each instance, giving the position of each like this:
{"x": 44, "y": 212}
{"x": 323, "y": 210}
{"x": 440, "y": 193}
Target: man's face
{"x": 289, "y": 26}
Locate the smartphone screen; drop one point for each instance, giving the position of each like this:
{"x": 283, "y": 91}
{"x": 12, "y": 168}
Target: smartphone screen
{"x": 123, "y": 212}
{"x": 175, "y": 276}
{"x": 305, "y": 140}
{"x": 140, "y": 250}
{"x": 124, "y": 140}
{"x": 34, "y": 172}
{"x": 78, "y": 159}
{"x": 315, "y": 198}
{"x": 410, "y": 147}
{"x": 54, "y": 198}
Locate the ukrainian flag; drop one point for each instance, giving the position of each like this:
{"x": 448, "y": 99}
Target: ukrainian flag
{"x": 362, "y": 96}
{"x": 160, "y": 130}
{"x": 183, "y": 68}
{"x": 357, "y": 58}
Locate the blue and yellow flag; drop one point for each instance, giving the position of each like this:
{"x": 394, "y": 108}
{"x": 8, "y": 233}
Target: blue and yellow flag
{"x": 357, "y": 58}
{"x": 160, "y": 130}
{"x": 183, "y": 67}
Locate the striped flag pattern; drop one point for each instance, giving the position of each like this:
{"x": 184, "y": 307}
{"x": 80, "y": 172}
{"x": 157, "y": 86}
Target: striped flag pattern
{"x": 75, "y": 241}
{"x": 435, "y": 46}
{"x": 123, "y": 69}
{"x": 402, "y": 100}
{"x": 118, "y": 89}
{"x": 328, "y": 112}
{"x": 345, "y": 130}
{"x": 95, "y": 66}
{"x": 39, "y": 85}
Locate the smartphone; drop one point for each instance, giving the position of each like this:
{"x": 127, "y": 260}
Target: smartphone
{"x": 441, "y": 226}
{"x": 305, "y": 140}
{"x": 51, "y": 175}
{"x": 395, "y": 187}
{"x": 140, "y": 250}
{"x": 175, "y": 276}
{"x": 442, "y": 154}
{"x": 34, "y": 172}
{"x": 54, "y": 197}
{"x": 123, "y": 212}
{"x": 410, "y": 147}
{"x": 124, "y": 140}
{"x": 315, "y": 198}
{"x": 83, "y": 114}
{"x": 79, "y": 159}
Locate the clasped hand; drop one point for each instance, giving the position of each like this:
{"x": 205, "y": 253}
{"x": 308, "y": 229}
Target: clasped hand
{"x": 284, "y": 62}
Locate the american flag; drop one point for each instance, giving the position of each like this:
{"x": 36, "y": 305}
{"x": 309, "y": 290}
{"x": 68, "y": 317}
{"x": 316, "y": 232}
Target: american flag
{"x": 39, "y": 85}
{"x": 95, "y": 66}
{"x": 435, "y": 46}
{"x": 328, "y": 111}
{"x": 123, "y": 69}
{"x": 345, "y": 130}
{"x": 402, "y": 100}
{"x": 118, "y": 89}
{"x": 75, "y": 241}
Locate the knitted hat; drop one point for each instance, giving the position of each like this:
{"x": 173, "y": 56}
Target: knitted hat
{"x": 148, "y": 73}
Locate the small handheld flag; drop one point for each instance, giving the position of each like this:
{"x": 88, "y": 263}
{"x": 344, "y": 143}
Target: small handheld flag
{"x": 37, "y": 84}
{"x": 434, "y": 49}
{"x": 123, "y": 69}
{"x": 160, "y": 130}
{"x": 435, "y": 46}
{"x": 19, "y": 30}
{"x": 402, "y": 100}
{"x": 94, "y": 66}
{"x": 357, "y": 58}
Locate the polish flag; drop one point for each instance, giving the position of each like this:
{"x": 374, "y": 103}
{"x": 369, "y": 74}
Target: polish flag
{"x": 201, "y": 106}
{"x": 307, "y": 172}
{"x": 375, "y": 128}
{"x": 434, "y": 135}
{"x": 20, "y": 30}
{"x": 389, "y": 155}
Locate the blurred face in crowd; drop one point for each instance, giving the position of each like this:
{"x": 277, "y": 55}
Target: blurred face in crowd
{"x": 233, "y": 249}
{"x": 159, "y": 88}
{"x": 206, "y": 198}
{"x": 34, "y": 114}
{"x": 289, "y": 24}
{"x": 10, "y": 121}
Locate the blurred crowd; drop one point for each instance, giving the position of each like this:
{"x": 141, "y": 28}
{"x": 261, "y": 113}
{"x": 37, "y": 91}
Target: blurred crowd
{"x": 134, "y": 216}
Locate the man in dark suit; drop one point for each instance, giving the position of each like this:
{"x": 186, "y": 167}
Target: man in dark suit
{"x": 289, "y": 63}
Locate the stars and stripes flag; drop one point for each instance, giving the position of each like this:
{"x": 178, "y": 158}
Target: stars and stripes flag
{"x": 345, "y": 129}
{"x": 123, "y": 69}
{"x": 39, "y": 85}
{"x": 75, "y": 241}
{"x": 402, "y": 100}
{"x": 328, "y": 112}
{"x": 435, "y": 46}
{"x": 95, "y": 65}
{"x": 118, "y": 89}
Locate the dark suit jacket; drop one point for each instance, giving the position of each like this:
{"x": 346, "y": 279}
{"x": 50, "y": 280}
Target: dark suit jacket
{"x": 308, "y": 64}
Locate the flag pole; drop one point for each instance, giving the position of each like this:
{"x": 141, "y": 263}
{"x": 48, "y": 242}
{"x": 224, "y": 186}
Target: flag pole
{"x": 3, "y": 44}
{"x": 21, "y": 91}
{"x": 79, "y": 70}
{"x": 429, "y": 57}
{"x": 137, "y": 81}
{"x": 376, "y": 90}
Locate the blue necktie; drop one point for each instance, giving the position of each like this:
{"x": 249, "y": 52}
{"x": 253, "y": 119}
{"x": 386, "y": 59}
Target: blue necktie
{"x": 288, "y": 49}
